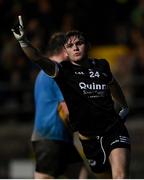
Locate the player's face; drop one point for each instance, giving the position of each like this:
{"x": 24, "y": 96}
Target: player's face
{"x": 75, "y": 48}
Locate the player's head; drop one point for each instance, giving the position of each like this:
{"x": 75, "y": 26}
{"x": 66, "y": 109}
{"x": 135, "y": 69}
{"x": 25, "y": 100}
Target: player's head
{"x": 76, "y": 45}
{"x": 55, "y": 46}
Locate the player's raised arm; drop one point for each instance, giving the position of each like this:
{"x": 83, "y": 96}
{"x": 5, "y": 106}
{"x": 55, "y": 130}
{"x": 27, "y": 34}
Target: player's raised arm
{"x": 32, "y": 53}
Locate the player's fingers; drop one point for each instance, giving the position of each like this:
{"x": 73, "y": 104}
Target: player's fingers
{"x": 15, "y": 34}
{"x": 20, "y": 21}
{"x": 21, "y": 30}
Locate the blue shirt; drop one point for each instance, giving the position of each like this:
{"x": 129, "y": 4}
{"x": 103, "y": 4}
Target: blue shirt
{"x": 47, "y": 124}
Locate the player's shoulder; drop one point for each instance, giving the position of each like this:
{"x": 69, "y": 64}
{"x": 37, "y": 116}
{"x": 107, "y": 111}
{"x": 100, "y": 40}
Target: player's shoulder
{"x": 43, "y": 77}
{"x": 65, "y": 65}
{"x": 43, "y": 74}
{"x": 100, "y": 62}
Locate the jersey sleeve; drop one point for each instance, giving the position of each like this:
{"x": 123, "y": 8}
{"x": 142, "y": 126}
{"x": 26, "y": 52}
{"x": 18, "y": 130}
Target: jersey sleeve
{"x": 108, "y": 70}
{"x": 50, "y": 67}
{"x": 61, "y": 70}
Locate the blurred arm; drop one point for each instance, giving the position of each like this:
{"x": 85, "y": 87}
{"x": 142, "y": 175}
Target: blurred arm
{"x": 118, "y": 95}
{"x": 32, "y": 53}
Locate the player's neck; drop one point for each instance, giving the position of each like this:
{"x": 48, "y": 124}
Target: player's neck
{"x": 82, "y": 62}
{"x": 56, "y": 58}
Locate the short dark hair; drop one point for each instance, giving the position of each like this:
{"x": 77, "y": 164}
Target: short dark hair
{"x": 80, "y": 35}
{"x": 55, "y": 44}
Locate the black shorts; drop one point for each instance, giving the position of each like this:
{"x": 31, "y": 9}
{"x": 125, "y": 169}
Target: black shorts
{"x": 98, "y": 148}
{"x": 52, "y": 156}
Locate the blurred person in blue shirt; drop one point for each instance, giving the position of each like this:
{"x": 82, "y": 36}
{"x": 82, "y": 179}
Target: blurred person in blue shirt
{"x": 51, "y": 141}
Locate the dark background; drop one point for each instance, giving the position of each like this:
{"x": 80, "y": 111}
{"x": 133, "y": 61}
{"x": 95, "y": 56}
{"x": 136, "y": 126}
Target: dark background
{"x": 114, "y": 26}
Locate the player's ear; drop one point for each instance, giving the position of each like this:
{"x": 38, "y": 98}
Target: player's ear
{"x": 65, "y": 53}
